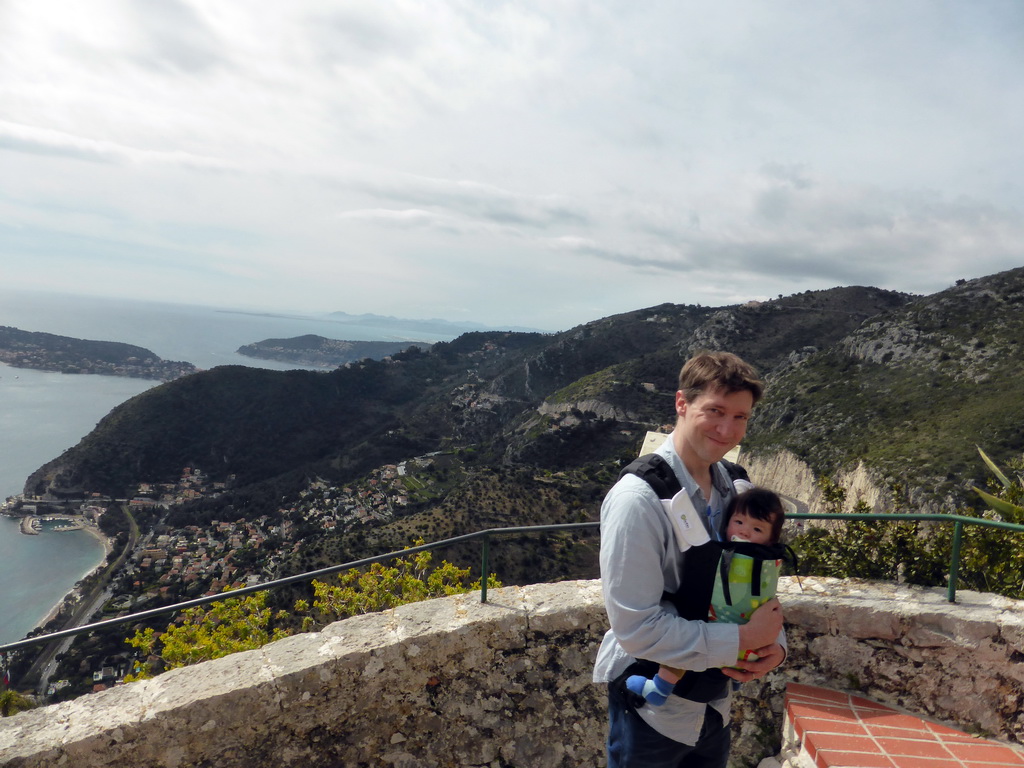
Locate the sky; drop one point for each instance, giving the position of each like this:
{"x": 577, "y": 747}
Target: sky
{"x": 538, "y": 164}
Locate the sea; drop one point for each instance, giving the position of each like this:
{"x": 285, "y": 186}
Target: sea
{"x": 43, "y": 414}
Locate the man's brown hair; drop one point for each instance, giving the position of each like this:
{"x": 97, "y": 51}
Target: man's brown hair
{"x": 718, "y": 371}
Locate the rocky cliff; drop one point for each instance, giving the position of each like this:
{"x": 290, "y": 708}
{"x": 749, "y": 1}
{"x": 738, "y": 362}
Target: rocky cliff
{"x": 784, "y": 473}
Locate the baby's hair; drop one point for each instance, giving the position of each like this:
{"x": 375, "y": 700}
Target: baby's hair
{"x": 760, "y": 504}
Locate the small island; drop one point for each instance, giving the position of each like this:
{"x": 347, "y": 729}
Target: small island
{"x": 64, "y": 354}
{"x": 320, "y": 352}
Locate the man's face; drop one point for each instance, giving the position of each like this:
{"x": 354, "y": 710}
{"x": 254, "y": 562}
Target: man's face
{"x": 713, "y": 424}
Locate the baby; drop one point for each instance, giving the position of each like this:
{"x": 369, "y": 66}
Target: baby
{"x": 756, "y": 516}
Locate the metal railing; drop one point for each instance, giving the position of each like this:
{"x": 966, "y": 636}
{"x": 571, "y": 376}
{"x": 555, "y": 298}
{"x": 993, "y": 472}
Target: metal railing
{"x": 303, "y": 577}
{"x": 958, "y": 521}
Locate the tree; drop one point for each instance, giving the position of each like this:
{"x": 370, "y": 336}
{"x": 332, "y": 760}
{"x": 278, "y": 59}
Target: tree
{"x": 993, "y": 559}
{"x": 242, "y": 624}
{"x": 919, "y": 552}
{"x": 916, "y": 552}
{"x": 1008, "y": 495}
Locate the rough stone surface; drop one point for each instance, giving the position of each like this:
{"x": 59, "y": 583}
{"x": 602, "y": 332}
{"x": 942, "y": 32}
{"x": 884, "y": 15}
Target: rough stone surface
{"x": 455, "y": 682}
{"x": 784, "y": 473}
{"x": 599, "y": 408}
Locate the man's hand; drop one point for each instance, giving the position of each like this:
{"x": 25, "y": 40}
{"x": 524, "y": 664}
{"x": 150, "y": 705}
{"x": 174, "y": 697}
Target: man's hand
{"x": 769, "y": 657}
{"x": 763, "y": 628}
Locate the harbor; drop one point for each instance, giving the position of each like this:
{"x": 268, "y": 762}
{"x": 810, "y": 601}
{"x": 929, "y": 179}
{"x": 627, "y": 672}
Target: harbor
{"x": 33, "y": 524}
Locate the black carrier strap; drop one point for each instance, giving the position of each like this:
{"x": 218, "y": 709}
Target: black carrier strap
{"x": 701, "y": 565}
{"x": 656, "y": 472}
{"x": 735, "y": 471}
{"x": 691, "y": 603}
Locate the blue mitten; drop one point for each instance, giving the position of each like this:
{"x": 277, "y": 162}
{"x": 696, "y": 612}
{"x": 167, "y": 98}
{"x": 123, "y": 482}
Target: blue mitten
{"x": 655, "y": 691}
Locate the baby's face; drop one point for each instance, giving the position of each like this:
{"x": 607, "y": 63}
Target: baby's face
{"x": 742, "y": 527}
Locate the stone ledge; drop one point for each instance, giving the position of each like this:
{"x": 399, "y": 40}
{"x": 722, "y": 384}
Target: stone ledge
{"x": 444, "y": 682}
{"x": 459, "y": 683}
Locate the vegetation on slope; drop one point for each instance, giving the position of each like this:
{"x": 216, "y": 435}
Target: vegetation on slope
{"x": 991, "y": 559}
{"x": 245, "y": 623}
{"x": 910, "y": 392}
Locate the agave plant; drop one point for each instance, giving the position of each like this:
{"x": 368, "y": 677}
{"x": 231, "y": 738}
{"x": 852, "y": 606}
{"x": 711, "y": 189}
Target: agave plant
{"x": 1003, "y": 506}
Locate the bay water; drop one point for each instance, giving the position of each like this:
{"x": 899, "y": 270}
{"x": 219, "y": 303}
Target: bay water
{"x": 43, "y": 414}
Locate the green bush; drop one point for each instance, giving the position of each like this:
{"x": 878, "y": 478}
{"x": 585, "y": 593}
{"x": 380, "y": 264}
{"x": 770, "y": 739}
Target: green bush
{"x": 227, "y": 626}
{"x": 240, "y": 624}
{"x": 379, "y": 587}
{"x": 920, "y": 552}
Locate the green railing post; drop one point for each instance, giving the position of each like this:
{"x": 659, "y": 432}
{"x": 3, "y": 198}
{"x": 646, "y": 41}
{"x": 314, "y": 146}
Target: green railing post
{"x": 485, "y": 567}
{"x": 954, "y": 563}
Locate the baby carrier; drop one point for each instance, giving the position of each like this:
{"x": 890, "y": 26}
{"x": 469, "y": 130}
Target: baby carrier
{"x": 721, "y": 580}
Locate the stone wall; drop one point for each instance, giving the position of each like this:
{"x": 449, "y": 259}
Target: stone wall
{"x": 910, "y": 648}
{"x": 506, "y": 684}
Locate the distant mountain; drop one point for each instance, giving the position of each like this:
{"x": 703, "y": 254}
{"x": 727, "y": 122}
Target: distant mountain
{"x": 64, "y": 354}
{"x": 446, "y": 328}
{"x": 316, "y": 351}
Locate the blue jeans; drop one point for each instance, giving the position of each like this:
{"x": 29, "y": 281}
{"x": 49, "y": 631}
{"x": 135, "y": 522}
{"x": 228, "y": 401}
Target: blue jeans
{"x": 632, "y": 743}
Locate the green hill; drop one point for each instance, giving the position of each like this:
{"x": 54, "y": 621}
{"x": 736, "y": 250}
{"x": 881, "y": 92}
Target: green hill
{"x": 911, "y": 392}
{"x": 534, "y": 426}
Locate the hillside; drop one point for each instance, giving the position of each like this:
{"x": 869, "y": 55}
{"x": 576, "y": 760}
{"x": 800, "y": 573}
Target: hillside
{"x": 534, "y": 426}
{"x": 911, "y": 392}
{"x": 292, "y": 471}
{"x": 509, "y": 396}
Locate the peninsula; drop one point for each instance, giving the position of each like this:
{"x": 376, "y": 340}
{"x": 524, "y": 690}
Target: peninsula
{"x": 64, "y": 354}
{"x": 320, "y": 352}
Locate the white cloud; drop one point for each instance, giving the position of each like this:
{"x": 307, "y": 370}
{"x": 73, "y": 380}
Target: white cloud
{"x": 535, "y": 163}
{"x": 44, "y": 141}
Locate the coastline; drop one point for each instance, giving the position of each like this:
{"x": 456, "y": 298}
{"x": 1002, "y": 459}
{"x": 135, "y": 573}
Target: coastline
{"x": 108, "y": 545}
{"x": 107, "y": 548}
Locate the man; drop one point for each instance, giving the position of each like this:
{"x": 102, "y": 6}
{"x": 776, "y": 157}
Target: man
{"x": 641, "y": 562}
